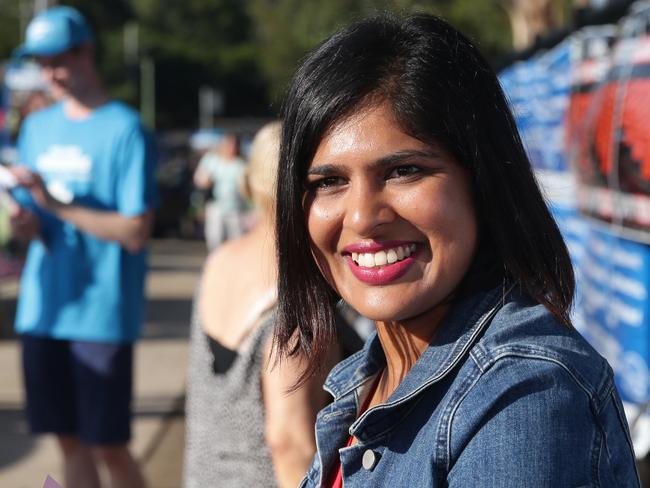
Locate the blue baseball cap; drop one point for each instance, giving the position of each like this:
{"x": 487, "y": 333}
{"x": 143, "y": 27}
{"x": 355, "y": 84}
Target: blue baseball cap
{"x": 54, "y": 31}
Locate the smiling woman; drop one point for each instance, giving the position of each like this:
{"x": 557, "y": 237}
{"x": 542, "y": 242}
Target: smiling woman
{"x": 376, "y": 192}
{"x": 404, "y": 189}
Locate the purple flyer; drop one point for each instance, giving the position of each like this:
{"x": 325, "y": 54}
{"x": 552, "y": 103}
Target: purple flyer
{"x": 50, "y": 483}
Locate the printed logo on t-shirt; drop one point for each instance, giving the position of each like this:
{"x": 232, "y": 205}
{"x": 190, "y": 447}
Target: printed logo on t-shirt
{"x": 68, "y": 163}
{"x": 66, "y": 171}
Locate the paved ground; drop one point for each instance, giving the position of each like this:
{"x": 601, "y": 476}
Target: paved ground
{"x": 159, "y": 385}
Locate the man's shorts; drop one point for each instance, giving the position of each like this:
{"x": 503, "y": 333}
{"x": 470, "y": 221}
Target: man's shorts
{"x": 82, "y": 389}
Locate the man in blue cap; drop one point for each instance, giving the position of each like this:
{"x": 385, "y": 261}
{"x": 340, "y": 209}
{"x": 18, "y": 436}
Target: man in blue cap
{"x": 86, "y": 196}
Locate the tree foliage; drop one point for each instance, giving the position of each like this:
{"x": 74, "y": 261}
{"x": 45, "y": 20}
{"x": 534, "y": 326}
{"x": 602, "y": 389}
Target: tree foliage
{"x": 283, "y": 42}
{"x": 248, "y": 49}
{"x": 10, "y": 26}
{"x": 202, "y": 42}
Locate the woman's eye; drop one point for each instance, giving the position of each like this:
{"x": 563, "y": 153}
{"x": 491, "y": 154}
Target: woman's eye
{"x": 325, "y": 183}
{"x": 402, "y": 171}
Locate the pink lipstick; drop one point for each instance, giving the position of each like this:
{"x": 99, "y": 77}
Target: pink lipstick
{"x": 383, "y": 274}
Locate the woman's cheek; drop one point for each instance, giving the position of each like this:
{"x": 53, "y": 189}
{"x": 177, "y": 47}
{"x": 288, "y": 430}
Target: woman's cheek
{"x": 322, "y": 221}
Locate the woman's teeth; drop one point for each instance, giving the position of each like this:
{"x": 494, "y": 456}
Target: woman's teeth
{"x": 382, "y": 258}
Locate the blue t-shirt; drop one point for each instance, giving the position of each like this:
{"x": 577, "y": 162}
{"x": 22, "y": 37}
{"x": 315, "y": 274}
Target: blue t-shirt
{"x": 74, "y": 285}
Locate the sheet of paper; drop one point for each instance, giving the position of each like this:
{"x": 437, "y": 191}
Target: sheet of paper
{"x": 7, "y": 179}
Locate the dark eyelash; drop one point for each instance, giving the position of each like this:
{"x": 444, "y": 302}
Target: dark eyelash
{"x": 321, "y": 182}
{"x": 411, "y": 169}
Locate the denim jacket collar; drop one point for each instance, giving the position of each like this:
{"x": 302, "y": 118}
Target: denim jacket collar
{"x": 463, "y": 324}
{"x": 461, "y": 327}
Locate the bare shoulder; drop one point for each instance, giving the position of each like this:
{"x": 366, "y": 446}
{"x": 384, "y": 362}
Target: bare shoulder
{"x": 226, "y": 258}
{"x": 231, "y": 285}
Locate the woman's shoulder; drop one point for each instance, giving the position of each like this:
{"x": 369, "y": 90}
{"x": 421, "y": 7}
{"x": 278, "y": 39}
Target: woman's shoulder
{"x": 525, "y": 331}
{"x": 535, "y": 392}
{"x": 230, "y": 255}
{"x": 233, "y": 283}
{"x": 532, "y": 418}
{"x": 217, "y": 264}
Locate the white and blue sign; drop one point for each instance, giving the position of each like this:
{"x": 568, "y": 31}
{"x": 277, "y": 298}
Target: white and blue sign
{"x": 612, "y": 305}
{"x": 538, "y": 90}
{"x": 615, "y": 279}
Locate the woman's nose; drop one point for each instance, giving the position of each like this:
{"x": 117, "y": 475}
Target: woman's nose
{"x": 367, "y": 209}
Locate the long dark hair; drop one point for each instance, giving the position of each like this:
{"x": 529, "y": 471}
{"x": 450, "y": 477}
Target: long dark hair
{"x": 441, "y": 90}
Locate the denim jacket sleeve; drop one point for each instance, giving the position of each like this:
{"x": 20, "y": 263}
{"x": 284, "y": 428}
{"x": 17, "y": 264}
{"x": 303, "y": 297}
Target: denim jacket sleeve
{"x": 538, "y": 426}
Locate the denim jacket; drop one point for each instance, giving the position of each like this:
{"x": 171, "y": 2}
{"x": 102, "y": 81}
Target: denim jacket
{"x": 504, "y": 396}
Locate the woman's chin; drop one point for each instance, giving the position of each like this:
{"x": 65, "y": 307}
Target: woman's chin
{"x": 383, "y": 314}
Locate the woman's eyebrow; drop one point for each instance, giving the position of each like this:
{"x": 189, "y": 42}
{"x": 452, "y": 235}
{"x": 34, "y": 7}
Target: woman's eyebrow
{"x": 326, "y": 170}
{"x": 390, "y": 159}
{"x": 401, "y": 156}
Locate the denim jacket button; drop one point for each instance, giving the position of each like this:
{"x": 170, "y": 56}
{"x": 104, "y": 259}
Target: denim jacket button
{"x": 369, "y": 460}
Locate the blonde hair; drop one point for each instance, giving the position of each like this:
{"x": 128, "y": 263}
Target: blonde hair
{"x": 258, "y": 183}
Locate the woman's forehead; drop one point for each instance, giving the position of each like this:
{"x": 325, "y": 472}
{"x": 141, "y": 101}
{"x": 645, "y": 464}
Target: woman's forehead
{"x": 368, "y": 135}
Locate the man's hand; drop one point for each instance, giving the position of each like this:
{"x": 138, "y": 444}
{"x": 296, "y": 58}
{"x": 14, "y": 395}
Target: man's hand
{"x": 34, "y": 183}
{"x": 132, "y": 232}
{"x": 25, "y": 225}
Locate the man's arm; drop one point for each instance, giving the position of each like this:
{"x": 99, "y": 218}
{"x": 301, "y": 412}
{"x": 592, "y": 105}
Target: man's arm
{"x": 131, "y": 232}
{"x": 202, "y": 178}
{"x": 203, "y": 174}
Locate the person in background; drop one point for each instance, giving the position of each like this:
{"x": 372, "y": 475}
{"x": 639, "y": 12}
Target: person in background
{"x": 404, "y": 189}
{"x": 85, "y": 207}
{"x": 34, "y": 101}
{"x": 243, "y": 429}
{"x": 221, "y": 170}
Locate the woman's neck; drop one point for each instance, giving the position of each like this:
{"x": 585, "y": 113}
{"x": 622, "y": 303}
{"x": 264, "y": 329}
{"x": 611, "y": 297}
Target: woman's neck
{"x": 403, "y": 343}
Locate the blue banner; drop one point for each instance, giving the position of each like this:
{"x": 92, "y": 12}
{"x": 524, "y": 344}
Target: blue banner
{"x": 614, "y": 276}
{"x": 612, "y": 303}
